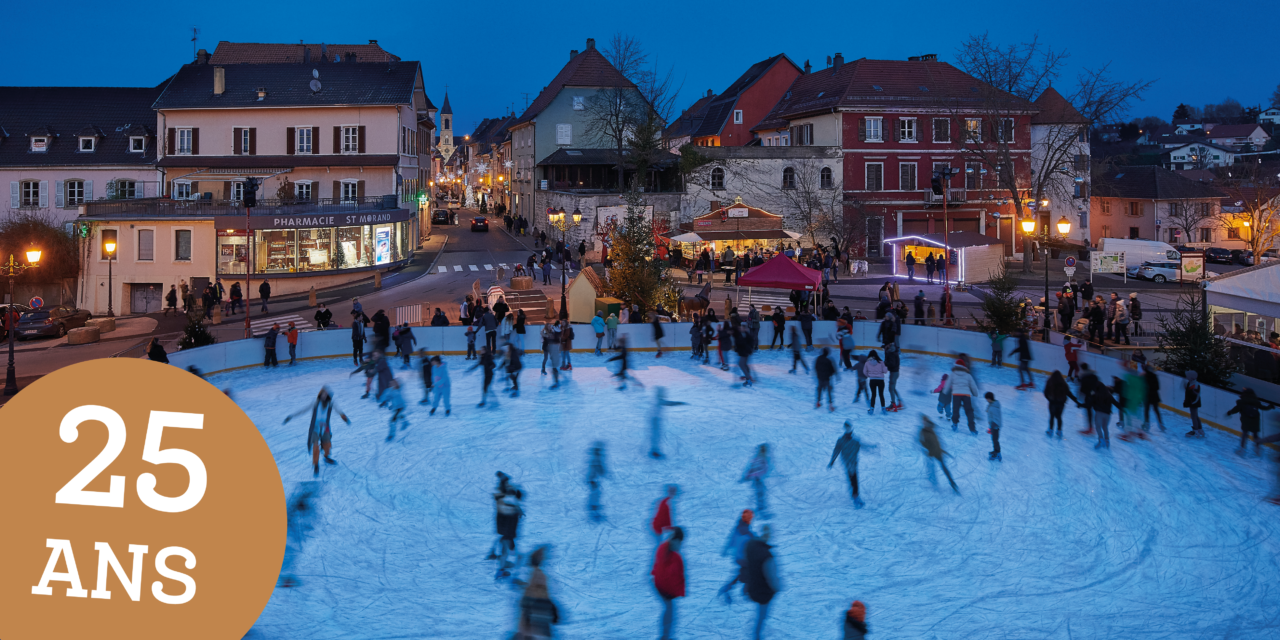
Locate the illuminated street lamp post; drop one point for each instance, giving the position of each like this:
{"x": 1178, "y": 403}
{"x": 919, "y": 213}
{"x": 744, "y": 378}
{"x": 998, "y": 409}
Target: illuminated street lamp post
{"x": 1028, "y": 231}
{"x": 110, "y": 248}
{"x": 11, "y": 270}
{"x": 557, "y": 220}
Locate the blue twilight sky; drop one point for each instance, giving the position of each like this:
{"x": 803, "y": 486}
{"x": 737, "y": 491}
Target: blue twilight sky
{"x": 492, "y": 53}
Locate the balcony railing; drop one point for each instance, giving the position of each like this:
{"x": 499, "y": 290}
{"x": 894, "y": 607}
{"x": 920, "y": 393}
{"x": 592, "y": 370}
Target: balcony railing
{"x": 168, "y": 207}
{"x": 956, "y": 196}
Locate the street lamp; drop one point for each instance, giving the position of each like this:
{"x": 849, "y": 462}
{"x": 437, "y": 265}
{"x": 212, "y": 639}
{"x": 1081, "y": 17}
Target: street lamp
{"x": 110, "y": 248}
{"x": 1028, "y": 230}
{"x": 11, "y": 270}
{"x": 558, "y": 220}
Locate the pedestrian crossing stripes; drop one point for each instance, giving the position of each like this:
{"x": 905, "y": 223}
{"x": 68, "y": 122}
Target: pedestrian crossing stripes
{"x": 444, "y": 269}
{"x": 260, "y": 327}
{"x": 457, "y": 267}
{"x": 473, "y": 267}
{"x": 489, "y": 267}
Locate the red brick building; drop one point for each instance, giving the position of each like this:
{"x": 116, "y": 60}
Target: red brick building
{"x": 896, "y": 123}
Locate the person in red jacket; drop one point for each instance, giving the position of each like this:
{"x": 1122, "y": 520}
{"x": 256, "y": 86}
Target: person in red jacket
{"x": 1071, "y": 348}
{"x": 662, "y": 519}
{"x": 668, "y": 578}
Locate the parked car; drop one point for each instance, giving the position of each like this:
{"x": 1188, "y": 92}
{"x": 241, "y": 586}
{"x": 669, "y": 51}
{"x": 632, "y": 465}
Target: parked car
{"x": 4, "y": 310}
{"x": 1217, "y": 255}
{"x": 53, "y": 321}
{"x": 1242, "y": 257}
{"x": 441, "y": 216}
{"x": 1155, "y": 271}
{"x": 480, "y": 223}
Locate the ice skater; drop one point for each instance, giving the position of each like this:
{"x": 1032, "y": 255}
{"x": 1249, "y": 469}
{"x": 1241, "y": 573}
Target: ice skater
{"x": 657, "y": 332}
{"x": 319, "y": 434}
{"x": 995, "y": 420}
{"x": 596, "y": 473}
{"x": 756, "y": 471}
{"x": 442, "y": 389}
{"x": 1102, "y": 401}
{"x": 874, "y": 370}
{"x": 395, "y": 402}
{"x": 855, "y": 619}
{"x": 944, "y": 397}
{"x": 1056, "y": 392}
{"x": 507, "y": 499}
{"x": 662, "y": 519}
{"x": 1024, "y": 361}
{"x": 427, "y": 379}
{"x": 1088, "y": 380}
{"x": 893, "y": 362}
{"x": 1250, "y": 409}
{"x": 623, "y": 357}
{"x": 660, "y": 403}
{"x": 1191, "y": 400}
{"x": 825, "y": 369}
{"x": 796, "y": 347}
{"x": 934, "y": 452}
{"x": 760, "y": 575}
{"x": 724, "y": 344}
{"x": 735, "y": 547}
{"x": 486, "y": 362}
{"x": 743, "y": 344}
{"x": 962, "y": 388}
{"x": 847, "y": 449}
{"x": 668, "y": 578}
{"x": 513, "y": 368}
{"x": 368, "y": 367}
{"x": 1151, "y": 399}
{"x": 551, "y": 349}
{"x": 538, "y": 612}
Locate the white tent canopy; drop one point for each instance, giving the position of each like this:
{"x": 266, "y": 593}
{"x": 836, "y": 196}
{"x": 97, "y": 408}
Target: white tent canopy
{"x": 1252, "y": 290}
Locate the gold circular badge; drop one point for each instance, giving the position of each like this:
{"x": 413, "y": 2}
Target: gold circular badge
{"x": 139, "y": 501}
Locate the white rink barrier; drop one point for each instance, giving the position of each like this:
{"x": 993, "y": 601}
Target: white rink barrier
{"x": 336, "y": 343}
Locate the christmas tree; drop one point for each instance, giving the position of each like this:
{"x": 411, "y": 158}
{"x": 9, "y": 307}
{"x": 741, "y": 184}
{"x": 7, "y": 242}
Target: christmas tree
{"x": 636, "y": 277}
{"x": 1186, "y": 339}
{"x": 196, "y": 334}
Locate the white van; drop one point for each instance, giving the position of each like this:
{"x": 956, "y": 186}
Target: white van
{"x": 1137, "y": 252}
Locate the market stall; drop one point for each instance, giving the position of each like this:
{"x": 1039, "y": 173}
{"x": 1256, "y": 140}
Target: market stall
{"x": 781, "y": 272}
{"x": 970, "y": 256}
{"x": 736, "y": 227}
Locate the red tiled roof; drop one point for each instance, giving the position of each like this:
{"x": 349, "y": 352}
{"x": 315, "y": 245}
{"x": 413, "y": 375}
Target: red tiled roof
{"x": 587, "y": 69}
{"x": 267, "y": 53}
{"x": 885, "y": 83}
{"x": 1054, "y": 109}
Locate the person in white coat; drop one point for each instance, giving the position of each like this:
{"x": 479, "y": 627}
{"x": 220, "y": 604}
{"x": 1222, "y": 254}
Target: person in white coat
{"x": 962, "y": 388}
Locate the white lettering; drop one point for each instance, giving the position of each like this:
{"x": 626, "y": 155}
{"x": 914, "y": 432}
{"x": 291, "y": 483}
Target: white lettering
{"x": 60, "y": 548}
{"x": 107, "y": 558}
{"x": 157, "y": 588}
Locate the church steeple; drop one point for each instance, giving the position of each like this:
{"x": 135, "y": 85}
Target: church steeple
{"x": 445, "y": 144}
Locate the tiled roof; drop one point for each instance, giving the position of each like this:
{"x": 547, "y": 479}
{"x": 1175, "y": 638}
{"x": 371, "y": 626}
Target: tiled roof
{"x": 64, "y": 113}
{"x": 587, "y": 69}
{"x": 597, "y": 156}
{"x": 884, "y": 84}
{"x": 288, "y": 85}
{"x": 1199, "y": 175}
{"x": 272, "y": 53}
{"x": 713, "y": 118}
{"x": 1147, "y": 182}
{"x": 690, "y": 119}
{"x": 1054, "y": 109}
{"x": 718, "y": 112}
{"x": 1233, "y": 130}
{"x": 1199, "y": 142}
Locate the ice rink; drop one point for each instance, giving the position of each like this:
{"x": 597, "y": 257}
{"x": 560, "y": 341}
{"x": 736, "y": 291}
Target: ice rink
{"x": 1168, "y": 538}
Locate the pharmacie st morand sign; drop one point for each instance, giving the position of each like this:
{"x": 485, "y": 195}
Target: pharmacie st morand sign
{"x": 314, "y": 221}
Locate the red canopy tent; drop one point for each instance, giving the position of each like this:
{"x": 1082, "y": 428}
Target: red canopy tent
{"x": 781, "y": 272}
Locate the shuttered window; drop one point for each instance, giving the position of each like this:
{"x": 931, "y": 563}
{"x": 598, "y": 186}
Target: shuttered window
{"x": 182, "y": 244}
{"x": 564, "y": 134}
{"x": 875, "y": 176}
{"x": 941, "y": 130}
{"x": 907, "y": 176}
{"x": 146, "y": 244}
{"x": 875, "y": 132}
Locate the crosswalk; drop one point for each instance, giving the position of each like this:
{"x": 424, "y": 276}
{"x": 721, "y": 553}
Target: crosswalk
{"x": 260, "y": 327}
{"x": 459, "y": 268}
{"x": 760, "y": 299}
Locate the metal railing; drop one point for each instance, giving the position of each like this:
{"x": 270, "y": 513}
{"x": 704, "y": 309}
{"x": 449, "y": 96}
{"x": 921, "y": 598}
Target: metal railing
{"x": 169, "y": 207}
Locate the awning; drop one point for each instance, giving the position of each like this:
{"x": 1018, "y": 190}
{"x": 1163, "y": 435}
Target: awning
{"x": 1252, "y": 290}
{"x": 720, "y": 236}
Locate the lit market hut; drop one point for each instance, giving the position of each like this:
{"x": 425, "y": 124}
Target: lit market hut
{"x": 735, "y": 226}
{"x": 973, "y": 256}
{"x": 782, "y": 272}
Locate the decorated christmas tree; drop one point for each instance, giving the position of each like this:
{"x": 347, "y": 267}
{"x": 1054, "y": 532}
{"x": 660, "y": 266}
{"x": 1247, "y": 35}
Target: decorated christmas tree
{"x": 636, "y": 276}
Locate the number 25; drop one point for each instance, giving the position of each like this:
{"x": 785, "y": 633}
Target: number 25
{"x": 74, "y": 491}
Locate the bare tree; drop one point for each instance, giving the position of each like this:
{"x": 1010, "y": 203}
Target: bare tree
{"x": 1188, "y": 216}
{"x": 659, "y": 88}
{"x": 610, "y": 116}
{"x": 1275, "y": 97}
{"x": 1012, "y": 77}
{"x": 1253, "y": 210}
{"x": 801, "y": 190}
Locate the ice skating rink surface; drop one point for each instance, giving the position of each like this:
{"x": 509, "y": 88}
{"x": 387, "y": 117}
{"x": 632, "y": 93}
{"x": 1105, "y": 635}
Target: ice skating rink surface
{"x": 1166, "y": 538}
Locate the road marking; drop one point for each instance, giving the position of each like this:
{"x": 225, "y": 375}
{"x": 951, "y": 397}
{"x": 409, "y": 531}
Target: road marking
{"x": 488, "y": 267}
{"x": 457, "y": 267}
{"x": 502, "y": 264}
{"x": 259, "y": 327}
{"x": 444, "y": 269}
{"x": 473, "y": 267}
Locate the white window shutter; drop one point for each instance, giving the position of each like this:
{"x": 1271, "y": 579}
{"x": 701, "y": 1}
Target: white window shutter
{"x": 88, "y": 190}
{"x": 58, "y": 194}
{"x": 564, "y": 134}
{"x": 14, "y": 197}
{"x": 44, "y": 194}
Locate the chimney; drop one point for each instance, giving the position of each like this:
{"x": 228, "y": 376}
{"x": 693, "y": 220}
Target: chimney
{"x": 219, "y": 80}
{"x": 306, "y": 55}
{"x": 262, "y": 93}
{"x": 373, "y": 42}
{"x": 837, "y": 61}
{"x": 591, "y": 43}
{"x": 807, "y": 68}
{"x": 710, "y": 93}
{"x": 202, "y": 57}
{"x": 715, "y": 205}
{"x": 573, "y": 53}
{"x": 351, "y": 56}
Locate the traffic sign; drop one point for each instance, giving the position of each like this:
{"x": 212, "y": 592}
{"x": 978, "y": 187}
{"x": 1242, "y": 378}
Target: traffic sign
{"x": 1071, "y": 271}
{"x": 36, "y": 302}
{"x": 1071, "y": 262}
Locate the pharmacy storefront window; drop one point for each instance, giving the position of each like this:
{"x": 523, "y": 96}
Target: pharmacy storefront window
{"x": 305, "y": 244}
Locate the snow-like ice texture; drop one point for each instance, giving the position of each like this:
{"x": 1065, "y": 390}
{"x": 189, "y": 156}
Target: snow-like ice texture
{"x": 1168, "y": 538}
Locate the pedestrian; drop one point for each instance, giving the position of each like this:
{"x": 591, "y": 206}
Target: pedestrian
{"x": 893, "y": 362}
{"x": 1151, "y": 399}
{"x": 596, "y": 473}
{"x": 464, "y": 311}
{"x": 934, "y": 452}
{"x": 611, "y": 330}
{"x": 291, "y": 335}
{"x": 171, "y": 300}
{"x": 357, "y": 337}
{"x": 395, "y": 402}
{"x": 184, "y": 290}
{"x": 206, "y": 301}
{"x": 1250, "y": 409}
{"x": 1056, "y": 391}
{"x": 320, "y": 433}
{"x": 1122, "y": 322}
{"x": 470, "y": 335}
{"x": 508, "y": 510}
{"x": 441, "y": 387}
{"x": 369, "y": 368}
{"x": 1071, "y": 349}
{"x": 269, "y": 343}
{"x": 961, "y": 387}
{"x": 735, "y": 547}
{"x": 1135, "y": 314}
{"x": 219, "y": 292}
{"x": 911, "y": 266}
{"x": 930, "y": 265}
{"x": 1109, "y": 317}
{"x": 995, "y": 421}
{"x": 920, "y": 300}
{"x": 597, "y": 325}
{"x": 237, "y": 297}
{"x": 756, "y": 471}
{"x": 668, "y": 578}
{"x": 760, "y": 575}
{"x": 1191, "y": 400}
{"x": 1024, "y": 360}
{"x": 546, "y": 272}
{"x": 486, "y": 361}
{"x": 662, "y": 519}
{"x": 657, "y": 332}
{"x": 323, "y": 316}
{"x": 405, "y": 342}
{"x": 624, "y": 315}
{"x": 847, "y": 448}
{"x": 874, "y": 370}
{"x": 264, "y": 292}
{"x": 156, "y": 353}
{"x": 513, "y": 368}
{"x": 855, "y": 622}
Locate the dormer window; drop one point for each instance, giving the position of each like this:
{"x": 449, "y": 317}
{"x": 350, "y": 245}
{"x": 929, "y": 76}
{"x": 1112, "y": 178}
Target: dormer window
{"x": 88, "y": 144}
{"x": 137, "y": 144}
{"x": 39, "y": 144}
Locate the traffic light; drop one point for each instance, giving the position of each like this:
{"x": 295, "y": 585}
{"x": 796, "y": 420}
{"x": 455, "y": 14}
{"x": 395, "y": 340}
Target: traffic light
{"x": 936, "y": 184}
{"x": 251, "y": 192}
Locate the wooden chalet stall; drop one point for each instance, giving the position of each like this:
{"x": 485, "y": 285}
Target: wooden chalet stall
{"x": 734, "y": 226}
